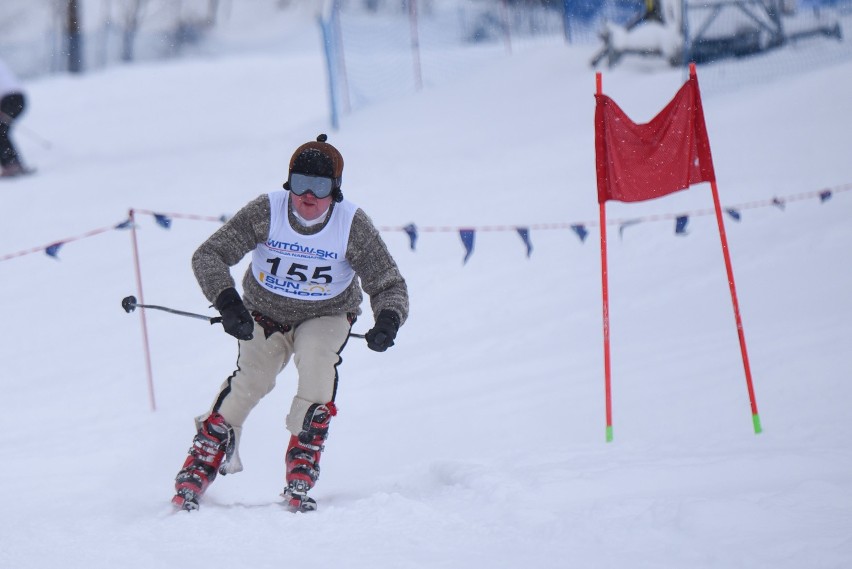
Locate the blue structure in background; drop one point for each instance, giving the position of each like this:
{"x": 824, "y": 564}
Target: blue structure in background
{"x": 582, "y": 11}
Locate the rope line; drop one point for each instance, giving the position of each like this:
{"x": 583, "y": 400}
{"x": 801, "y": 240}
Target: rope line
{"x": 774, "y": 202}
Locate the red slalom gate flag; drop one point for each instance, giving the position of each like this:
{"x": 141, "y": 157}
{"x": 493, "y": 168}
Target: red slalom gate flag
{"x": 638, "y": 162}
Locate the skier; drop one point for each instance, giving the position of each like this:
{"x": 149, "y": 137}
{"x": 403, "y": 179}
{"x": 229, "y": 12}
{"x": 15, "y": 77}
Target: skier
{"x": 12, "y": 104}
{"x": 301, "y": 295}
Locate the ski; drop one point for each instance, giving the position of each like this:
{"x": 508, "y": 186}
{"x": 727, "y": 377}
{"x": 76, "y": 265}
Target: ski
{"x": 185, "y": 499}
{"x": 298, "y": 502}
{"x": 188, "y": 501}
{"x": 16, "y": 173}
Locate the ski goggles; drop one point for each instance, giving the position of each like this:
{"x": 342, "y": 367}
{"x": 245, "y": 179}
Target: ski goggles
{"x": 320, "y": 186}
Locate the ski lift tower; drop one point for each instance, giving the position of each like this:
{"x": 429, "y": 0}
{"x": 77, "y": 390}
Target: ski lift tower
{"x": 715, "y": 29}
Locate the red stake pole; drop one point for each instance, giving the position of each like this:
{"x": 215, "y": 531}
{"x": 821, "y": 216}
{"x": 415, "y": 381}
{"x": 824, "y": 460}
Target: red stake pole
{"x": 605, "y": 289}
{"x": 605, "y": 294}
{"x": 755, "y": 417}
{"x": 146, "y": 348}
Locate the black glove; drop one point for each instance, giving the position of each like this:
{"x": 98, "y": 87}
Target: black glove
{"x": 381, "y": 336}
{"x": 236, "y": 319}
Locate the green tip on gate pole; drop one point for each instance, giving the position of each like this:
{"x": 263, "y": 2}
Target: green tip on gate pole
{"x": 756, "y": 420}
{"x": 609, "y": 433}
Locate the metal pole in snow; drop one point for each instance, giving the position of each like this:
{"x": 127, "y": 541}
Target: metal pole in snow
{"x": 415, "y": 44}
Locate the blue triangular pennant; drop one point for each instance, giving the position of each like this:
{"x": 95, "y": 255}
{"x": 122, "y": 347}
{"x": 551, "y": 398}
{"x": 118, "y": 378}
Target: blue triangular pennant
{"x": 126, "y": 224}
{"x": 825, "y": 195}
{"x": 162, "y": 220}
{"x": 778, "y": 203}
{"x": 411, "y": 231}
{"x": 734, "y": 214}
{"x": 627, "y": 224}
{"x": 467, "y": 236}
{"x": 525, "y": 236}
{"x": 680, "y": 224}
{"x": 224, "y": 218}
{"x": 53, "y": 250}
{"x": 581, "y": 232}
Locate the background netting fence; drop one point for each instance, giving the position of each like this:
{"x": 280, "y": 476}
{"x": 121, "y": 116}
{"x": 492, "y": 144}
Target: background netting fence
{"x": 382, "y": 49}
{"x": 379, "y": 50}
{"x": 377, "y": 54}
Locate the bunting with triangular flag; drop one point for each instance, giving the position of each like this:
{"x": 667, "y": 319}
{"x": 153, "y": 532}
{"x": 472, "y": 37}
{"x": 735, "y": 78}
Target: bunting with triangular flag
{"x": 581, "y": 232}
{"x": 411, "y": 231}
{"x": 524, "y": 232}
{"x": 467, "y": 234}
{"x": 53, "y": 250}
{"x": 163, "y": 220}
{"x": 468, "y": 237}
{"x": 625, "y": 224}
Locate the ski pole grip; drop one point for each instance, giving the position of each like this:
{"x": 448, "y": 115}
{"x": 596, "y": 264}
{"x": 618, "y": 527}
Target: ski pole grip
{"x": 129, "y": 304}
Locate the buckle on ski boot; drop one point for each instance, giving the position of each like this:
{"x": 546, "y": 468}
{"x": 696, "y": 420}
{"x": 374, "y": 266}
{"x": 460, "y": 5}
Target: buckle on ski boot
{"x": 211, "y": 444}
{"x": 296, "y": 498}
{"x": 186, "y": 499}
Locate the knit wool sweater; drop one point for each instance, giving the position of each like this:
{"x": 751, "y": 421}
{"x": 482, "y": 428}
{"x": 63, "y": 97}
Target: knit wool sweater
{"x": 376, "y": 271}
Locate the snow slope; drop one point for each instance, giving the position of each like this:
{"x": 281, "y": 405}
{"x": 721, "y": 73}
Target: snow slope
{"x": 478, "y": 440}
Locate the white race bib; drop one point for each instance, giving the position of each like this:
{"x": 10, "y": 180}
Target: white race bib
{"x": 309, "y": 267}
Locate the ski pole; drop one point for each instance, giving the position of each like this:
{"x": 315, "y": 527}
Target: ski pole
{"x": 129, "y": 304}
{"x": 7, "y": 120}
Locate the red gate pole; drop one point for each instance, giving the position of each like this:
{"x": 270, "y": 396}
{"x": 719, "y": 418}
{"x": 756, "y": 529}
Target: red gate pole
{"x": 755, "y": 417}
{"x": 146, "y": 348}
{"x": 605, "y": 294}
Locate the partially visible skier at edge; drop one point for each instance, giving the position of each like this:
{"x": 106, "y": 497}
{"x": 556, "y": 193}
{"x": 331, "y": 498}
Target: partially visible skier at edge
{"x": 301, "y": 295}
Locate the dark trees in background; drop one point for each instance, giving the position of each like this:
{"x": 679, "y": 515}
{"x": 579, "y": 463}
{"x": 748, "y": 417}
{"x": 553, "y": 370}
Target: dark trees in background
{"x": 74, "y": 38}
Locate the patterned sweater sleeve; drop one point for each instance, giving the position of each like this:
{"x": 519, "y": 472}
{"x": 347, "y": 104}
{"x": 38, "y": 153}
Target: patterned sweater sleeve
{"x": 212, "y": 261}
{"x": 379, "y": 274}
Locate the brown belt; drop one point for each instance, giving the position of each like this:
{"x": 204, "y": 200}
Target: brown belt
{"x": 269, "y": 325}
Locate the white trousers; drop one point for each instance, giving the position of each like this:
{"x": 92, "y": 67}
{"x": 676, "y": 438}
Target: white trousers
{"x": 315, "y": 346}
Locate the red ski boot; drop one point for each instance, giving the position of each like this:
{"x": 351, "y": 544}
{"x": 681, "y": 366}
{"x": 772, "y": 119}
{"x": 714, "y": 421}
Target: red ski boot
{"x": 213, "y": 442}
{"x": 303, "y": 456}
